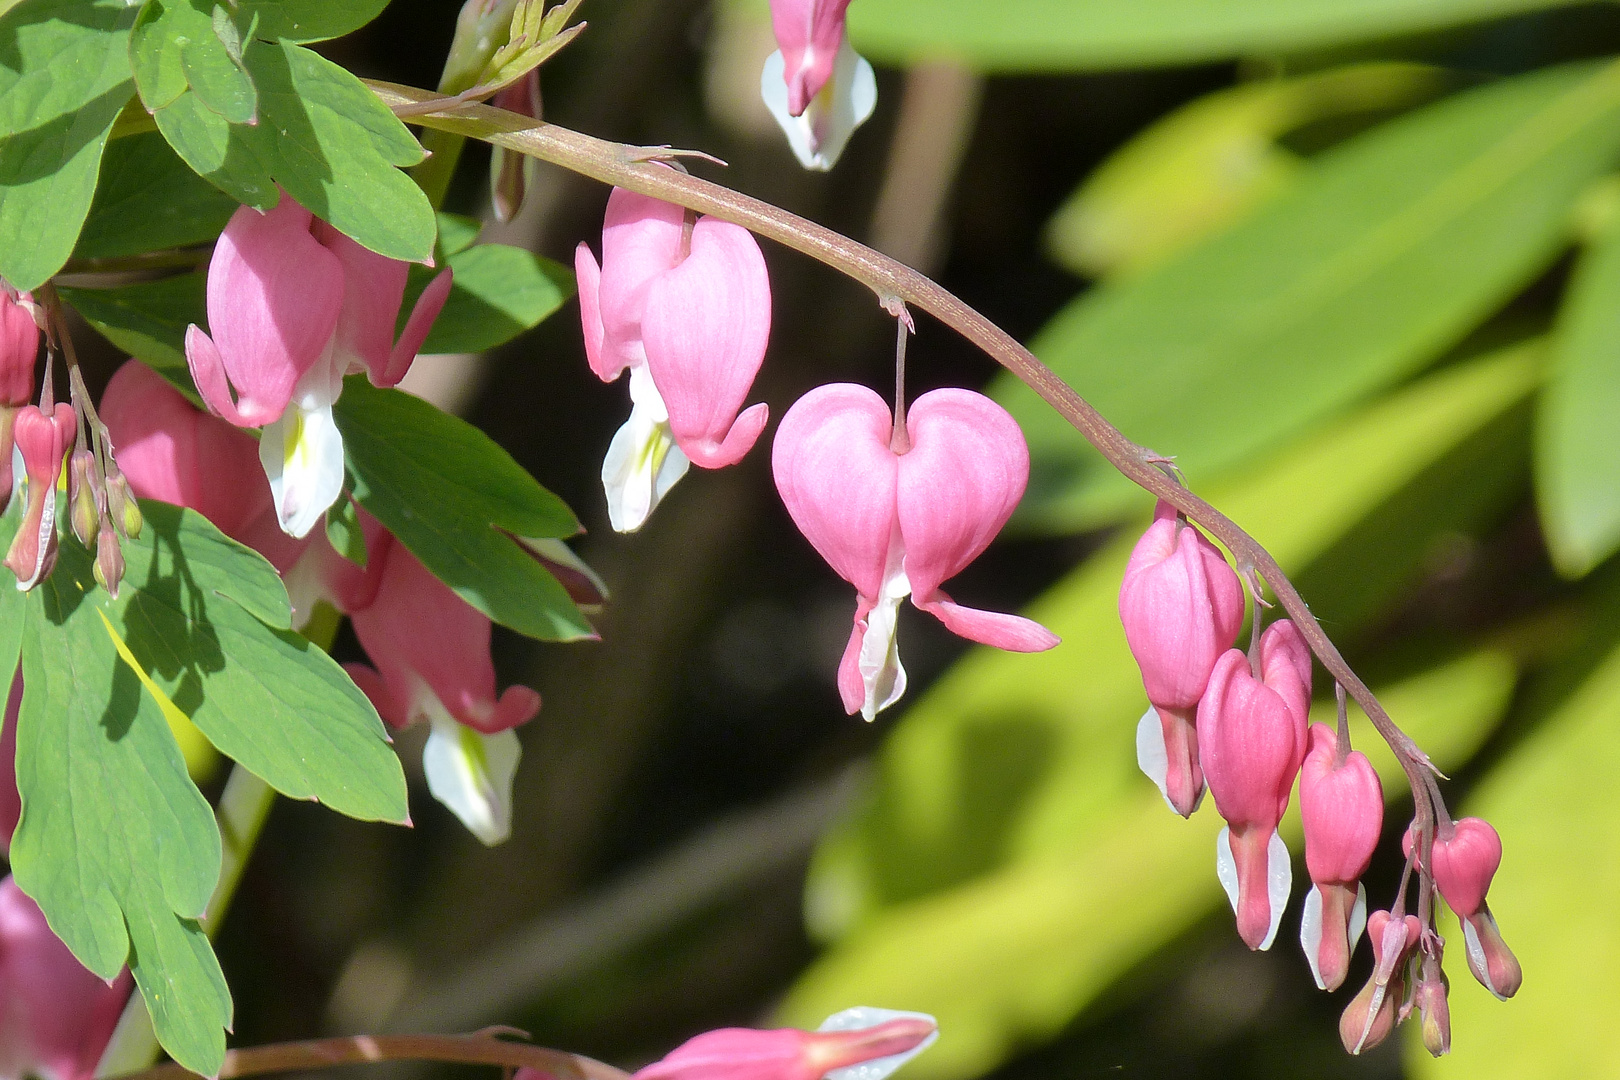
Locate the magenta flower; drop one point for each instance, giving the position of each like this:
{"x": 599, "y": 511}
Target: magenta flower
{"x": 689, "y": 314}
{"x": 818, "y": 88}
{"x": 43, "y": 441}
{"x": 432, "y": 663}
{"x": 1466, "y": 855}
{"x": 1342, "y": 804}
{"x": 19, "y": 353}
{"x": 294, "y": 306}
{"x": 1181, "y": 606}
{"x": 1251, "y": 740}
{"x": 898, "y": 524}
{"x": 56, "y": 1017}
{"x": 878, "y": 1040}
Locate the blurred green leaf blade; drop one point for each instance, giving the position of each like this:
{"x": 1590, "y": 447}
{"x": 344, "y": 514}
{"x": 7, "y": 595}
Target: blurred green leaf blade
{"x": 304, "y": 21}
{"x": 148, "y": 319}
{"x": 499, "y": 292}
{"x": 148, "y": 200}
{"x": 1390, "y": 250}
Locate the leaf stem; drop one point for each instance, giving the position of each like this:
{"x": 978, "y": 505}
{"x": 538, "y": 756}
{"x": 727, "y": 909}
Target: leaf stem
{"x": 481, "y": 1048}
{"x": 634, "y": 169}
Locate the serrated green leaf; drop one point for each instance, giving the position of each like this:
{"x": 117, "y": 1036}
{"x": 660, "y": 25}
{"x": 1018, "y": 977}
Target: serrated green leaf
{"x": 1551, "y": 798}
{"x": 148, "y": 319}
{"x": 1578, "y": 423}
{"x": 1392, "y": 248}
{"x": 323, "y": 137}
{"x": 499, "y": 292}
{"x": 1060, "y": 35}
{"x": 149, "y": 200}
{"x": 1012, "y": 958}
{"x": 456, "y": 500}
{"x": 304, "y": 21}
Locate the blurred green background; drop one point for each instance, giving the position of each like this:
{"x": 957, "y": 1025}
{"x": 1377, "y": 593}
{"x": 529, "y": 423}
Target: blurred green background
{"x": 1356, "y": 263}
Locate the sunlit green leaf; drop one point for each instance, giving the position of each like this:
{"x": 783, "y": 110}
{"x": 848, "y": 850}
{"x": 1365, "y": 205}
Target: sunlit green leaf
{"x": 309, "y": 20}
{"x": 148, "y": 200}
{"x": 1392, "y": 248}
{"x": 499, "y": 292}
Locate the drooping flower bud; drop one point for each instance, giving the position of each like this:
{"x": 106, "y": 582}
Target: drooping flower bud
{"x": 1371, "y": 1014}
{"x": 1251, "y": 733}
{"x": 109, "y": 567}
{"x": 1465, "y": 859}
{"x": 86, "y": 499}
{"x": 1429, "y": 998}
{"x": 511, "y": 173}
{"x": 44, "y": 441}
{"x": 57, "y": 1016}
{"x": 19, "y": 352}
{"x": 1342, "y": 805}
{"x": 688, "y": 312}
{"x": 898, "y": 524}
{"x": 879, "y": 1039}
{"x": 816, "y": 85}
{"x": 1181, "y": 606}
{"x": 122, "y": 506}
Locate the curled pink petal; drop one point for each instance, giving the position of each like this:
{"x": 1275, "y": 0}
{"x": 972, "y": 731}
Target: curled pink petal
{"x": 851, "y": 687}
{"x": 809, "y": 33}
{"x": 1011, "y": 632}
{"x": 417, "y": 326}
{"x": 704, "y": 328}
{"x": 373, "y": 286}
{"x": 588, "y": 277}
{"x": 838, "y": 478}
{"x": 959, "y": 483}
{"x": 395, "y": 712}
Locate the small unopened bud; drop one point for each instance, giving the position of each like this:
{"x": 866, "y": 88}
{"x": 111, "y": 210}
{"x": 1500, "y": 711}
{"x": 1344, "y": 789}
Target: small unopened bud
{"x": 122, "y": 506}
{"x": 109, "y": 560}
{"x": 1430, "y": 999}
{"x": 880, "y": 1039}
{"x": 1371, "y": 1015}
{"x": 509, "y": 172}
{"x": 87, "y": 500}
{"x": 43, "y": 441}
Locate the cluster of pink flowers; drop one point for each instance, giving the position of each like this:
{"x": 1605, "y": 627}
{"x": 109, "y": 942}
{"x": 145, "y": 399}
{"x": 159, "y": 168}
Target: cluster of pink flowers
{"x": 1237, "y": 724}
{"x": 896, "y": 505}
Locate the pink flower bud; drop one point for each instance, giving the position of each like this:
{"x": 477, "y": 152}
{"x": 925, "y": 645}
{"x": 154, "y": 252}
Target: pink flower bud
{"x": 109, "y": 565}
{"x": 809, "y": 33}
{"x": 1181, "y": 606}
{"x": 791, "y": 1054}
{"x": 897, "y": 524}
{"x": 19, "y": 348}
{"x": 10, "y": 800}
{"x": 1372, "y": 1014}
{"x": 44, "y": 441}
{"x": 1342, "y": 805}
{"x": 1250, "y": 742}
{"x": 509, "y": 171}
{"x": 55, "y": 1017}
{"x": 86, "y": 497}
{"x": 1430, "y": 1000}
{"x": 1465, "y": 859}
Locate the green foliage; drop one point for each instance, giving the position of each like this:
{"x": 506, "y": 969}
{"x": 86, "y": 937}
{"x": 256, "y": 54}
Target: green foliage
{"x": 148, "y": 319}
{"x": 499, "y": 292}
{"x": 148, "y": 200}
{"x": 1552, "y": 800}
{"x": 116, "y": 843}
{"x": 63, "y": 80}
{"x": 304, "y": 21}
{"x": 1578, "y": 429}
{"x": 1060, "y": 35}
{"x": 1392, "y": 248}
{"x": 178, "y": 45}
{"x": 323, "y": 137}
{"x": 457, "y": 501}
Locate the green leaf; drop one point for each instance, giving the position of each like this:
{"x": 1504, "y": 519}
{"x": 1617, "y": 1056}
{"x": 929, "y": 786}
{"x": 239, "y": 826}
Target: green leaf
{"x": 207, "y": 620}
{"x": 1389, "y": 251}
{"x": 1552, "y": 800}
{"x": 323, "y": 137}
{"x": 1061, "y": 35}
{"x": 304, "y": 21}
{"x": 115, "y": 844}
{"x": 148, "y": 320}
{"x": 456, "y": 500}
{"x": 1578, "y": 425}
{"x": 156, "y": 42}
{"x": 59, "y": 56}
{"x": 457, "y": 232}
{"x": 343, "y": 529}
{"x": 149, "y": 200}
{"x": 499, "y": 292}
{"x": 1012, "y": 958}
{"x": 1011, "y": 757}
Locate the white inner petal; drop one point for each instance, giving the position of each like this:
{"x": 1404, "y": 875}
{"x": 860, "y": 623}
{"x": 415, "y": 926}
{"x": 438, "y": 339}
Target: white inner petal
{"x": 862, "y": 1017}
{"x": 1358, "y": 916}
{"x": 302, "y": 455}
{"x": 1279, "y": 880}
{"x": 642, "y": 462}
{"x": 471, "y": 773}
{"x": 1151, "y": 756}
{"x": 818, "y": 136}
{"x": 1226, "y": 865}
{"x": 879, "y": 661}
{"x": 1310, "y": 933}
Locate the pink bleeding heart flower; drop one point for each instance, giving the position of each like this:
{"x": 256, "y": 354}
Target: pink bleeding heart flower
{"x": 432, "y": 663}
{"x": 1251, "y": 739}
{"x": 1181, "y": 606}
{"x": 1342, "y": 804}
{"x": 897, "y": 524}
{"x": 688, "y": 313}
{"x": 1467, "y": 853}
{"x": 56, "y": 1017}
{"x": 44, "y": 442}
{"x": 19, "y": 353}
{"x": 294, "y": 306}
{"x": 10, "y": 799}
{"x": 171, "y": 451}
{"x": 1372, "y": 1013}
{"x": 816, "y": 85}
{"x": 879, "y": 1040}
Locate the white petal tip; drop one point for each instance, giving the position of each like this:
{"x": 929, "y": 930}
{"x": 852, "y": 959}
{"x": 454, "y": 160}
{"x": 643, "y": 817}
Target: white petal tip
{"x": 1226, "y": 865}
{"x": 1310, "y": 933}
{"x": 1279, "y": 882}
{"x": 471, "y": 774}
{"x": 865, "y": 1016}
